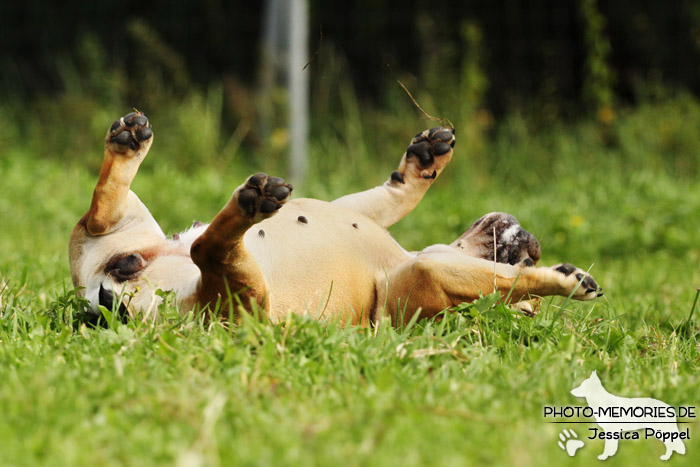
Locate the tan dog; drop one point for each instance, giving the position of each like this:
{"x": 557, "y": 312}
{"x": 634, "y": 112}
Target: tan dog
{"x": 330, "y": 259}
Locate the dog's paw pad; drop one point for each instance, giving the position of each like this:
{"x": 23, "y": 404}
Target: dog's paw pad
{"x": 429, "y": 144}
{"x": 578, "y": 281}
{"x": 129, "y": 132}
{"x": 426, "y": 156}
{"x": 569, "y": 443}
{"x": 262, "y": 195}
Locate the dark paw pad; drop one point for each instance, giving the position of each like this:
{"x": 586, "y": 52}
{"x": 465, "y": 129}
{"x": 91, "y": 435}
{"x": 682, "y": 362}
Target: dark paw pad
{"x": 566, "y": 268}
{"x": 430, "y": 151}
{"x": 129, "y": 132}
{"x": 588, "y": 283}
{"x": 263, "y": 194}
{"x": 501, "y": 234}
{"x": 125, "y": 139}
{"x": 396, "y": 176}
{"x": 431, "y": 143}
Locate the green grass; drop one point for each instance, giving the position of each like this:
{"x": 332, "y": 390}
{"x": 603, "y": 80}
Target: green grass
{"x": 468, "y": 389}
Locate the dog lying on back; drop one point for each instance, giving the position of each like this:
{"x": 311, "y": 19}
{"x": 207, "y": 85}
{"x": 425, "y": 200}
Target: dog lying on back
{"x": 335, "y": 259}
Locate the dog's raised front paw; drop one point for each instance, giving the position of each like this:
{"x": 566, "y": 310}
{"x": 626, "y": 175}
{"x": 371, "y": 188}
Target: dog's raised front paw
{"x": 430, "y": 151}
{"x": 261, "y": 196}
{"x": 131, "y": 133}
{"x": 576, "y": 280}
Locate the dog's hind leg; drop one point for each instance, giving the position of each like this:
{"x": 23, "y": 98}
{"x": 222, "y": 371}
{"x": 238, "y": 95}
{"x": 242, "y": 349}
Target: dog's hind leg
{"x": 436, "y": 281}
{"x": 499, "y": 236}
{"x": 429, "y": 153}
{"x": 225, "y": 264}
{"x": 127, "y": 143}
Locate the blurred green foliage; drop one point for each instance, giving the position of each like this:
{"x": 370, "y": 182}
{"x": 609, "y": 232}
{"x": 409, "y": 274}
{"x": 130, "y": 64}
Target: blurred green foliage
{"x": 565, "y": 57}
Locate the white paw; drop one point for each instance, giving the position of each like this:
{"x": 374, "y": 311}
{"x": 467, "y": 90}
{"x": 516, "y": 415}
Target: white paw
{"x": 569, "y": 443}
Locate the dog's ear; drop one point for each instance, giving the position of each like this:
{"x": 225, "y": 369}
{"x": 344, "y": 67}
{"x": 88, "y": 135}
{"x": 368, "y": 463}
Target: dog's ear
{"x": 594, "y": 375}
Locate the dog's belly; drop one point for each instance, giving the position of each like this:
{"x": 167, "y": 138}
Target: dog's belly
{"x": 322, "y": 259}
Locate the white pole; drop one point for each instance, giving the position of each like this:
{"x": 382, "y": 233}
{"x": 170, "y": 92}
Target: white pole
{"x": 298, "y": 87}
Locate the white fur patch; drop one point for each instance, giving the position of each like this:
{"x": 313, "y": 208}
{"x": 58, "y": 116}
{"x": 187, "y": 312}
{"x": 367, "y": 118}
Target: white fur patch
{"x": 92, "y": 292}
{"x": 509, "y": 234}
{"x": 190, "y": 235}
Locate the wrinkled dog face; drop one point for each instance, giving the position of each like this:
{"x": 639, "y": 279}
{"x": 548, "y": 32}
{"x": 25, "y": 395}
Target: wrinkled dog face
{"x": 502, "y": 232}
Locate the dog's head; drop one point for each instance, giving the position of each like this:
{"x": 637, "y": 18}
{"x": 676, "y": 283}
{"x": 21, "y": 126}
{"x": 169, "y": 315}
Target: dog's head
{"x": 588, "y": 386}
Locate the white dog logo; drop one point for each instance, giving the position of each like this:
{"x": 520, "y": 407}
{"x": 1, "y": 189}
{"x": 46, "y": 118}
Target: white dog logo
{"x": 621, "y": 417}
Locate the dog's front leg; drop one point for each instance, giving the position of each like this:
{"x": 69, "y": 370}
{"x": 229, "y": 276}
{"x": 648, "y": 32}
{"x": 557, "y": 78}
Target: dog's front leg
{"x": 226, "y": 265}
{"x": 429, "y": 153}
{"x": 127, "y": 143}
